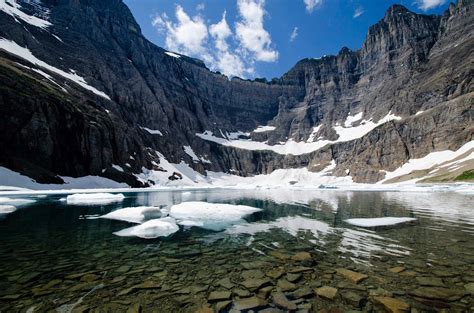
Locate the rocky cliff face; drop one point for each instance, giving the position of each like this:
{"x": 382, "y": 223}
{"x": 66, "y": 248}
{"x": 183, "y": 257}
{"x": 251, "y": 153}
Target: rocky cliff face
{"x": 53, "y": 126}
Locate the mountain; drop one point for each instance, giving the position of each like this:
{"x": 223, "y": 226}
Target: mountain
{"x": 83, "y": 93}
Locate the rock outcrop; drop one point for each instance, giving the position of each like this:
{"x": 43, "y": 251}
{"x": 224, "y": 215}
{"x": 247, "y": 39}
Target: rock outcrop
{"x": 52, "y": 127}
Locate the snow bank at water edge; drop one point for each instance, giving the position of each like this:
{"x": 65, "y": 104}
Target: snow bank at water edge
{"x": 212, "y": 216}
{"x": 9, "y": 178}
{"x": 93, "y": 198}
{"x": 134, "y": 214}
{"x": 379, "y": 221}
{"x": 162, "y": 227}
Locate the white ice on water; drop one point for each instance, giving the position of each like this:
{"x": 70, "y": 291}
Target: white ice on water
{"x": 379, "y": 221}
{"x": 134, "y": 214}
{"x": 7, "y": 209}
{"x": 162, "y": 227}
{"x": 213, "y": 216}
{"x": 94, "y": 198}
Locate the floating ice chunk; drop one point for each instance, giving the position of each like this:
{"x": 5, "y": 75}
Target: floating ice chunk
{"x": 134, "y": 214}
{"x": 15, "y": 201}
{"x": 379, "y": 221}
{"x": 162, "y": 227}
{"x": 191, "y": 223}
{"x": 7, "y": 209}
{"x": 213, "y": 216}
{"x": 93, "y": 198}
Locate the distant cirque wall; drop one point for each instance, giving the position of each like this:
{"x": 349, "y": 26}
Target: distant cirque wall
{"x": 408, "y": 63}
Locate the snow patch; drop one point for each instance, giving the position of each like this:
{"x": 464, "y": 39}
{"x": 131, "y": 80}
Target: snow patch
{"x": 94, "y": 198}
{"x": 428, "y": 161}
{"x": 379, "y": 221}
{"x": 12, "y": 8}
{"x": 172, "y": 54}
{"x": 352, "y": 119}
{"x": 189, "y": 151}
{"x": 262, "y": 129}
{"x": 24, "y": 53}
{"x": 13, "y": 179}
{"x": 117, "y": 167}
{"x": 152, "y": 131}
{"x": 299, "y": 148}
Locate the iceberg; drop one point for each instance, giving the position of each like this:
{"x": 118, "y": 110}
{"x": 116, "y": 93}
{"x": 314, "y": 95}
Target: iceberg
{"x": 93, "y": 198}
{"x": 161, "y": 227}
{"x": 212, "y": 216}
{"x": 134, "y": 214}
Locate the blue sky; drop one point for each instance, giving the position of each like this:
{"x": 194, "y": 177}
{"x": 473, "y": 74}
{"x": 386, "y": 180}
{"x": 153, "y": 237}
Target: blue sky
{"x": 257, "y": 38}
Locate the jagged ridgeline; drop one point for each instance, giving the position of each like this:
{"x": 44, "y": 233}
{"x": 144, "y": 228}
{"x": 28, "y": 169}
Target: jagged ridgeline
{"x": 83, "y": 93}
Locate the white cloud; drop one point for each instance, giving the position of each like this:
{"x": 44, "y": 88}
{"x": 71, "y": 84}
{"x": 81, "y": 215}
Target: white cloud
{"x": 200, "y": 7}
{"x": 312, "y": 4}
{"x": 250, "y": 31}
{"x": 429, "y": 4}
{"x": 188, "y": 35}
{"x": 358, "y": 12}
{"x": 294, "y": 34}
{"x": 220, "y": 32}
{"x": 231, "y": 53}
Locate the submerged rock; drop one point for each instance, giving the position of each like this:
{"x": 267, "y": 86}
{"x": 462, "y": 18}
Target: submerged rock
{"x": 326, "y": 292}
{"x": 392, "y": 305}
{"x": 248, "y": 304}
{"x": 437, "y": 293}
{"x": 351, "y": 275}
{"x": 282, "y": 301}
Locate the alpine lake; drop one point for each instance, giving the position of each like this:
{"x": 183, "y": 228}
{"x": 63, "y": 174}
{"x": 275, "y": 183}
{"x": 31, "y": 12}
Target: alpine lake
{"x": 298, "y": 254}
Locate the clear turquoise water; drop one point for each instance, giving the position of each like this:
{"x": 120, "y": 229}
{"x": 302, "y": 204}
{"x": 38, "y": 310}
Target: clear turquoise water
{"x": 54, "y": 258}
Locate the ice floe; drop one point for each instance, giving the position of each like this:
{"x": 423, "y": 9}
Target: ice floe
{"x": 94, "y": 198}
{"x": 16, "y": 201}
{"x": 134, "y": 214}
{"x": 7, "y": 209}
{"x": 212, "y": 216}
{"x": 379, "y": 221}
{"x": 162, "y": 227}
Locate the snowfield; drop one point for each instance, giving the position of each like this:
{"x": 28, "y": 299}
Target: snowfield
{"x": 24, "y": 53}
{"x": 12, "y": 8}
{"x": 346, "y": 133}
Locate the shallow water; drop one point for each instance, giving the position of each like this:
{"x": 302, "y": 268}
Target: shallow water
{"x": 54, "y": 257}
